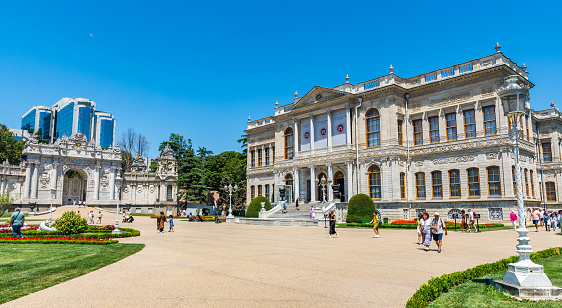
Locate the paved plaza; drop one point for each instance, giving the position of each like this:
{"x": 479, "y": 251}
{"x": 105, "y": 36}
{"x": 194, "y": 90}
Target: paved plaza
{"x": 205, "y": 264}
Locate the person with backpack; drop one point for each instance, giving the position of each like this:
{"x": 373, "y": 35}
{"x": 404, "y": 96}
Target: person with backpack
{"x": 377, "y": 222}
{"x": 437, "y": 227}
{"x": 16, "y": 221}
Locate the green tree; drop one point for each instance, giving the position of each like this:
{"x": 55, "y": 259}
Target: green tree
{"x": 5, "y": 201}
{"x": 10, "y": 148}
{"x": 224, "y": 169}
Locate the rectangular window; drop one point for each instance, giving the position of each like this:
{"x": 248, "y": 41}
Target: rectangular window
{"x": 260, "y": 190}
{"x": 550, "y": 191}
{"x": 527, "y": 183}
{"x": 513, "y": 180}
{"x": 469, "y": 124}
{"x": 267, "y": 192}
{"x": 546, "y": 152}
{"x": 532, "y": 184}
{"x": 418, "y": 132}
{"x": 473, "y": 182}
{"x": 437, "y": 185}
{"x": 260, "y": 157}
{"x": 400, "y": 135}
{"x": 433, "y": 129}
{"x": 451, "y": 126}
{"x": 420, "y": 185}
{"x": 489, "y": 120}
{"x": 454, "y": 183}
{"x": 267, "y": 156}
{"x": 253, "y": 158}
{"x": 402, "y": 185}
{"x": 273, "y": 155}
{"x": 494, "y": 186}
{"x": 252, "y": 192}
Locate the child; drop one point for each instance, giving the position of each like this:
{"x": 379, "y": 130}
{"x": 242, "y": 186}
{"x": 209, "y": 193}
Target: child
{"x": 171, "y": 224}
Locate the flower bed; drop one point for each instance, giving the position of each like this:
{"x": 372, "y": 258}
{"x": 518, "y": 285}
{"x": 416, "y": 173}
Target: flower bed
{"x": 101, "y": 228}
{"x": 58, "y": 240}
{"x": 103, "y": 234}
{"x": 8, "y": 228}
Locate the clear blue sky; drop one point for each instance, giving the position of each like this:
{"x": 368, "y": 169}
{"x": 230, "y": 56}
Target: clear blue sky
{"x": 200, "y": 68}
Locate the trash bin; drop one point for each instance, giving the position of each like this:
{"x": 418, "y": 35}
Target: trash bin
{"x": 385, "y": 220}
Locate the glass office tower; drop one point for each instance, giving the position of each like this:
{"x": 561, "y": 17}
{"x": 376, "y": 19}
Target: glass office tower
{"x": 38, "y": 119}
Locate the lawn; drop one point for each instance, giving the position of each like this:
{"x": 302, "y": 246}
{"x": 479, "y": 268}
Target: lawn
{"x": 473, "y": 294}
{"x": 28, "y": 268}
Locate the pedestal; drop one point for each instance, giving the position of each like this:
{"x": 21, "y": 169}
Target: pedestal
{"x": 525, "y": 273}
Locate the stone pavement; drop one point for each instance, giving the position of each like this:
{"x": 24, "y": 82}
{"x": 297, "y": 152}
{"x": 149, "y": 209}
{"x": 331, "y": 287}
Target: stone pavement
{"x": 205, "y": 264}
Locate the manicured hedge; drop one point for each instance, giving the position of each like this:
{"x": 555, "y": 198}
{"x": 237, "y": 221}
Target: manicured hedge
{"x": 360, "y": 207}
{"x": 254, "y": 208}
{"x": 431, "y": 290}
{"x": 126, "y": 232}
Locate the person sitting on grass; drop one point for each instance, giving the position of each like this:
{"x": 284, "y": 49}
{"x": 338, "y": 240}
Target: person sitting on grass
{"x": 131, "y": 219}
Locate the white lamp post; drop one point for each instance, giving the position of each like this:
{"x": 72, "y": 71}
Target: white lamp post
{"x": 230, "y": 190}
{"x": 118, "y": 183}
{"x": 523, "y": 273}
{"x": 53, "y": 192}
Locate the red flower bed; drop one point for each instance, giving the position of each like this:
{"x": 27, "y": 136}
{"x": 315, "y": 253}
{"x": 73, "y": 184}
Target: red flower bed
{"x": 413, "y": 222}
{"x": 58, "y": 240}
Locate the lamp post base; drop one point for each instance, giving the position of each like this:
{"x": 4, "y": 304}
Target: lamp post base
{"x": 116, "y": 231}
{"x": 526, "y": 274}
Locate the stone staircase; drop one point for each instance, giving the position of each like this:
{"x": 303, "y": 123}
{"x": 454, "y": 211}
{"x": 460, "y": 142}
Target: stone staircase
{"x": 303, "y": 213}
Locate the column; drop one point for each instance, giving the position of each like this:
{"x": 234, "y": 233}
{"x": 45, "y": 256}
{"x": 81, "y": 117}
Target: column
{"x": 112, "y": 184}
{"x": 311, "y": 132}
{"x": 97, "y": 182}
{"x": 296, "y": 123}
{"x": 329, "y": 132}
{"x": 347, "y": 124}
{"x": 33, "y": 193}
{"x": 297, "y": 184}
{"x": 349, "y": 180}
{"x": 312, "y": 184}
{"x": 54, "y": 174}
{"x": 330, "y": 177}
{"x": 2, "y": 186}
{"x": 27, "y": 180}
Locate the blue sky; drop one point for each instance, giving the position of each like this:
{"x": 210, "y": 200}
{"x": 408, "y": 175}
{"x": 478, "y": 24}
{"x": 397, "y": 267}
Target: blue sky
{"x": 201, "y": 68}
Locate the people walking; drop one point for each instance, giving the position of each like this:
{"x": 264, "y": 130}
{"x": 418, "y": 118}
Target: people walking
{"x": 17, "y": 219}
{"x": 425, "y": 227}
{"x": 332, "y": 219}
{"x": 554, "y": 219}
{"x": 312, "y": 211}
{"x": 297, "y": 204}
{"x": 376, "y": 224}
{"x": 513, "y": 218}
{"x": 472, "y": 219}
{"x": 464, "y": 223}
{"x": 547, "y": 221}
{"x": 91, "y": 217}
{"x": 284, "y": 206}
{"x": 100, "y": 215}
{"x": 160, "y": 220}
{"x": 437, "y": 228}
{"x": 418, "y": 228}
{"x": 171, "y": 224}
{"x": 535, "y": 216}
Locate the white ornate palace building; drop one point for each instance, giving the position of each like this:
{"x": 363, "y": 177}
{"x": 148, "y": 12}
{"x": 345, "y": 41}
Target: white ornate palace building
{"x": 445, "y": 149}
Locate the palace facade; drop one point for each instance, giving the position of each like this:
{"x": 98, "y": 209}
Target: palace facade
{"x": 434, "y": 142}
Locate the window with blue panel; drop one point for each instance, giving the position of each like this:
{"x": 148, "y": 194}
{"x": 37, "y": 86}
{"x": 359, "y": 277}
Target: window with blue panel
{"x": 64, "y": 121}
{"x": 28, "y": 122}
{"x": 106, "y": 133}
{"x": 84, "y": 120}
{"x": 45, "y": 124}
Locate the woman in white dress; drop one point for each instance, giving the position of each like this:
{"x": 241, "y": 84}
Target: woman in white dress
{"x": 425, "y": 227}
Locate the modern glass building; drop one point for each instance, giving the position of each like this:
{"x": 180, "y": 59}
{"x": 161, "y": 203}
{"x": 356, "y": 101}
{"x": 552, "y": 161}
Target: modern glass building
{"x": 70, "y": 116}
{"x": 36, "y": 119}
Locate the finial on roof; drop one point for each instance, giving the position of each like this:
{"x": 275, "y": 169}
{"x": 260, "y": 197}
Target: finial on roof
{"x": 552, "y": 105}
{"x": 391, "y": 69}
{"x": 498, "y": 47}
{"x": 346, "y": 78}
{"x": 249, "y": 119}
{"x": 276, "y": 104}
{"x": 524, "y": 67}
{"x": 296, "y": 94}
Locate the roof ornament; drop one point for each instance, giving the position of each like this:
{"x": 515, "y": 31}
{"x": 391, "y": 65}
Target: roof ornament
{"x": 391, "y": 69}
{"x": 296, "y": 94}
{"x": 524, "y": 67}
{"x": 498, "y": 47}
{"x": 347, "y": 78}
{"x": 276, "y": 104}
{"x": 249, "y": 119}
{"x": 552, "y": 105}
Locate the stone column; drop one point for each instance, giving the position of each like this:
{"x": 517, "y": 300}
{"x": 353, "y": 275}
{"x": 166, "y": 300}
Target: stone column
{"x": 34, "y": 181}
{"x": 329, "y": 130}
{"x": 311, "y": 132}
{"x": 312, "y": 184}
{"x": 349, "y": 180}
{"x": 96, "y": 173}
{"x": 329, "y": 179}
{"x": 347, "y": 124}
{"x": 27, "y": 184}
{"x": 297, "y": 184}
{"x": 112, "y": 184}
{"x": 296, "y": 130}
{"x": 2, "y": 185}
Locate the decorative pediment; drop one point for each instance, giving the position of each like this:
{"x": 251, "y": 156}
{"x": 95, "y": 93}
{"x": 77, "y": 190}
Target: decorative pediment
{"x": 316, "y": 95}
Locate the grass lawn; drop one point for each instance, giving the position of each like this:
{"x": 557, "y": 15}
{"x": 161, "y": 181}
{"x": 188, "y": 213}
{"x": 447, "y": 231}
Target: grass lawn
{"x": 473, "y": 294}
{"x": 27, "y": 268}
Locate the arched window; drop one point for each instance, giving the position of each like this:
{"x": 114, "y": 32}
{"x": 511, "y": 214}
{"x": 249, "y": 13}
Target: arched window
{"x": 289, "y": 179}
{"x": 420, "y": 185}
{"x": 260, "y": 191}
{"x": 169, "y": 192}
{"x": 473, "y": 182}
{"x": 436, "y": 184}
{"x": 375, "y": 182}
{"x": 289, "y": 143}
{"x": 402, "y": 185}
{"x": 550, "y": 191}
{"x": 252, "y": 192}
{"x": 372, "y": 123}
{"x": 454, "y": 183}
{"x": 494, "y": 185}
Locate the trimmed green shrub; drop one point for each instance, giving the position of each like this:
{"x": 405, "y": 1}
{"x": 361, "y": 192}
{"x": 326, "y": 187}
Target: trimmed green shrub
{"x": 71, "y": 223}
{"x": 255, "y": 207}
{"x": 431, "y": 290}
{"x": 360, "y": 207}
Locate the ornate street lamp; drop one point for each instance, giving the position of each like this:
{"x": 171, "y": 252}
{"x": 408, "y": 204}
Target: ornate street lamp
{"x": 230, "y": 190}
{"x": 523, "y": 273}
{"x": 118, "y": 183}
